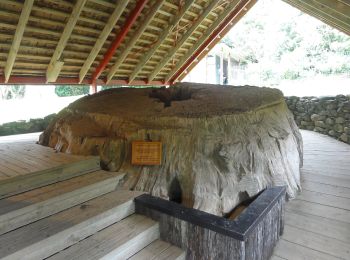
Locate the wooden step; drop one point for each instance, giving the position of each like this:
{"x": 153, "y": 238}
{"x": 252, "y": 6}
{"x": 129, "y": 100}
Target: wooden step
{"x": 119, "y": 241}
{"x": 160, "y": 250}
{"x": 33, "y": 180}
{"x": 30, "y": 206}
{"x": 50, "y": 235}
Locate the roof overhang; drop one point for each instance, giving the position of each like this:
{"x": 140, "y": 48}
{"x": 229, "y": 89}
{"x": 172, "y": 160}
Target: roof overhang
{"x": 107, "y": 42}
{"x": 125, "y": 42}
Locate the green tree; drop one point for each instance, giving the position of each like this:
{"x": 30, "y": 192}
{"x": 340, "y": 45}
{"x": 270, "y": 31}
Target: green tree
{"x": 66, "y": 91}
{"x": 287, "y": 44}
{"x": 12, "y": 92}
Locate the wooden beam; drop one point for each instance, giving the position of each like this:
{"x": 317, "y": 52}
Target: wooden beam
{"x": 213, "y": 32}
{"x": 209, "y": 8}
{"x": 218, "y": 39}
{"x": 41, "y": 80}
{"x": 166, "y": 31}
{"x": 335, "y": 10}
{"x": 345, "y": 2}
{"x": 130, "y": 21}
{"x": 337, "y": 6}
{"x": 151, "y": 14}
{"x": 23, "y": 19}
{"x": 120, "y": 6}
{"x": 56, "y": 64}
{"x": 337, "y": 18}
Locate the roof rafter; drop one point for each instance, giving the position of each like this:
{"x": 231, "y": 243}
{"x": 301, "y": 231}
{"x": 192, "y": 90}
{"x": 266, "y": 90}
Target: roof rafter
{"x": 23, "y": 19}
{"x": 151, "y": 14}
{"x": 119, "y": 38}
{"x": 40, "y": 80}
{"x": 198, "y": 21}
{"x": 336, "y": 15}
{"x": 191, "y": 64}
{"x": 166, "y": 31}
{"x": 214, "y": 31}
{"x": 56, "y": 63}
{"x": 120, "y": 6}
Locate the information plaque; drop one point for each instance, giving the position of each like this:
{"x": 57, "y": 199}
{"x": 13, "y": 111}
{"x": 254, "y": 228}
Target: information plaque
{"x": 146, "y": 153}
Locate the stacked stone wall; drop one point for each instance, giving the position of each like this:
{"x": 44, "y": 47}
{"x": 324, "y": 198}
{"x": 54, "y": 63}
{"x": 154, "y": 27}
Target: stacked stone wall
{"x": 327, "y": 115}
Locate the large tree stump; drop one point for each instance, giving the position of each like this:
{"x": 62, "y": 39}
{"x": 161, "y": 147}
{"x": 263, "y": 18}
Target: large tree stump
{"x": 221, "y": 145}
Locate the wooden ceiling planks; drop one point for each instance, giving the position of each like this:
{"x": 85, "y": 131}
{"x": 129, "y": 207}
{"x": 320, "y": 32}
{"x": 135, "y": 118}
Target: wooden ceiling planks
{"x": 65, "y": 41}
{"x": 335, "y": 13}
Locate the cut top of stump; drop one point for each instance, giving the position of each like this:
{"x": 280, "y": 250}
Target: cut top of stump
{"x": 180, "y": 100}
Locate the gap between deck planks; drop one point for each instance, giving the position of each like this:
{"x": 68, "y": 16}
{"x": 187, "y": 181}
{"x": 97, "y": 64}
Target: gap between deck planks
{"x": 318, "y": 220}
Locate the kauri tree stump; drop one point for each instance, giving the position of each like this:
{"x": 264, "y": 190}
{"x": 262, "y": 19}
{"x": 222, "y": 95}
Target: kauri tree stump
{"x": 221, "y": 144}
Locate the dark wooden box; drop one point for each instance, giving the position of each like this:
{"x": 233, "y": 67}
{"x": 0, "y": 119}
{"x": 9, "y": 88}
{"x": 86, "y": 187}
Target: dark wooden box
{"x": 252, "y": 235}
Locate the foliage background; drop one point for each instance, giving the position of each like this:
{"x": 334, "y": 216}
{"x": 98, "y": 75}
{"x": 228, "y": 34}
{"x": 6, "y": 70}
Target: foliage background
{"x": 276, "y": 42}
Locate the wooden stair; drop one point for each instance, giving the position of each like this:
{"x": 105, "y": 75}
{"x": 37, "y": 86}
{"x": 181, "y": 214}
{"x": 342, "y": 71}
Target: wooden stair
{"x": 36, "y": 179}
{"x": 36, "y": 204}
{"x": 118, "y": 241}
{"x": 159, "y": 250}
{"x": 83, "y": 217}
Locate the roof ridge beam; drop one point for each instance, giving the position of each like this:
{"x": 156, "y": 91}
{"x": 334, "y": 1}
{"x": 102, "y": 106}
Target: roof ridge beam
{"x": 22, "y": 22}
{"x": 209, "y": 8}
{"x": 119, "y": 38}
{"x": 56, "y": 64}
{"x": 213, "y": 32}
{"x": 154, "y": 9}
{"x": 166, "y": 31}
{"x": 113, "y": 19}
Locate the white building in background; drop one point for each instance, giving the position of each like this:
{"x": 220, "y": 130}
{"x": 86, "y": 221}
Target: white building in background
{"x": 220, "y": 66}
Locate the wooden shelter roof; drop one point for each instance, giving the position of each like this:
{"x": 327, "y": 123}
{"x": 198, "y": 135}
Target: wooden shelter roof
{"x": 122, "y": 42}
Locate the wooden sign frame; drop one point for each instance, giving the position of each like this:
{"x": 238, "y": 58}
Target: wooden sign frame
{"x": 146, "y": 153}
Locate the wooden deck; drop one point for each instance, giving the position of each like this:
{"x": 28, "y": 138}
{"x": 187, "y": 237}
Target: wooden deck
{"x": 25, "y": 165}
{"x": 20, "y": 155}
{"x": 317, "y": 222}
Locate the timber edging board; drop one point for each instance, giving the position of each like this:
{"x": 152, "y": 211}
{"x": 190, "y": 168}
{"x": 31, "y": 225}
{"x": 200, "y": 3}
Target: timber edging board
{"x": 38, "y": 179}
{"x": 252, "y": 235}
{"x": 238, "y": 229}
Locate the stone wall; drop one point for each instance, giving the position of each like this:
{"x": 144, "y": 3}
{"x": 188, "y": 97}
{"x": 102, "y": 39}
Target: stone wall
{"x": 327, "y": 115}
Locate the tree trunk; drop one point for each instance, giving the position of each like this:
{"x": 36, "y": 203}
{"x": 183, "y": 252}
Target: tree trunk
{"x": 221, "y": 145}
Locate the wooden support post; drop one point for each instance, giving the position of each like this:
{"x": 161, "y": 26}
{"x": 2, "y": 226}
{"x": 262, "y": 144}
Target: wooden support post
{"x": 221, "y": 67}
{"x": 229, "y": 70}
{"x": 93, "y": 88}
{"x": 23, "y": 19}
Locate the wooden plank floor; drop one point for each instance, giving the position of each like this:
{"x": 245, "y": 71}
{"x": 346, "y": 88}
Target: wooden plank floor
{"x": 20, "y": 155}
{"x": 317, "y": 222}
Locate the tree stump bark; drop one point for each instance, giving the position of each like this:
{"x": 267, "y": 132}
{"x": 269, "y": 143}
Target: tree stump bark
{"x": 221, "y": 145}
